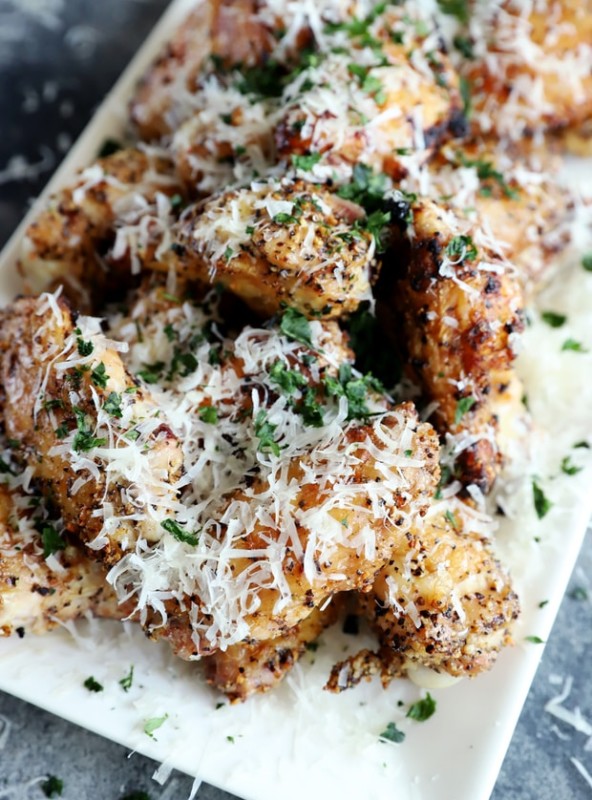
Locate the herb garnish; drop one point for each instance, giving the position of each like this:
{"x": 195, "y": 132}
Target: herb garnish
{"x": 542, "y": 504}
{"x": 99, "y": 376}
{"x": 464, "y": 405}
{"x": 392, "y": 734}
{"x": 264, "y": 431}
{"x": 127, "y": 680}
{"x": 176, "y": 530}
{"x": 85, "y": 439}
{"x": 208, "y": 414}
{"x": 287, "y": 379}
{"x": 296, "y": 326}
{"x": 154, "y": 724}
{"x": 487, "y": 172}
{"x": 51, "y": 541}
{"x": 553, "y": 319}
{"x": 455, "y": 8}
{"x": 568, "y": 468}
{"x": 423, "y": 709}
{"x": 575, "y": 346}
{"x": 84, "y": 348}
{"x": 534, "y": 639}
{"x": 112, "y": 405}
{"x": 53, "y": 786}
{"x": 92, "y": 685}
{"x": 461, "y": 248}
{"x": 587, "y": 262}
{"x": 306, "y": 163}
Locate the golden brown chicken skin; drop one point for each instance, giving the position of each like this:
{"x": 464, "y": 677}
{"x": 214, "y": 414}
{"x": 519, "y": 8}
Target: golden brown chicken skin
{"x": 34, "y": 596}
{"x": 62, "y": 247}
{"x": 459, "y": 308}
{"x": 531, "y": 66}
{"x": 273, "y": 244}
{"x": 251, "y": 668}
{"x": 71, "y": 405}
{"x": 443, "y": 602}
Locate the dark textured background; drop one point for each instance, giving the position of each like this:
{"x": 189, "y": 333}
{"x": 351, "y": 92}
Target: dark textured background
{"x": 57, "y": 60}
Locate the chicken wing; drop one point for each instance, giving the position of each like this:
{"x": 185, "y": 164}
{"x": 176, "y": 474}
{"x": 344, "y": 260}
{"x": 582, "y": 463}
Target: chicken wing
{"x": 529, "y": 65}
{"x": 63, "y": 246}
{"x": 36, "y": 595}
{"x": 94, "y": 440}
{"x": 275, "y": 243}
{"x": 442, "y": 603}
{"x": 459, "y": 308}
{"x": 247, "y": 669}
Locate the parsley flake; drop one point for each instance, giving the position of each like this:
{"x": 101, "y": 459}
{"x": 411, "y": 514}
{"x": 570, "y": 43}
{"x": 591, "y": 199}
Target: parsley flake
{"x": 92, "y": 685}
{"x": 542, "y": 504}
{"x": 587, "y": 262}
{"x": 84, "y": 348}
{"x": 99, "y": 376}
{"x": 53, "y": 786}
{"x": 287, "y": 379}
{"x": 461, "y": 248}
{"x": 392, "y": 734}
{"x": 296, "y": 326}
{"x": 306, "y": 163}
{"x": 51, "y": 541}
{"x": 574, "y": 346}
{"x": 464, "y": 405}
{"x": 568, "y": 468}
{"x": 112, "y": 405}
{"x": 154, "y": 724}
{"x": 127, "y": 680}
{"x": 208, "y": 414}
{"x": 553, "y": 319}
{"x": 534, "y": 639}
{"x": 264, "y": 431}
{"x": 423, "y": 709}
{"x": 176, "y": 530}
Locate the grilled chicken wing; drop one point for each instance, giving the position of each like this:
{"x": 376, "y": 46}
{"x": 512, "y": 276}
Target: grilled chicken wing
{"x": 94, "y": 440}
{"x": 381, "y": 87}
{"x": 217, "y": 36}
{"x": 62, "y": 247}
{"x": 513, "y": 198}
{"x": 273, "y": 244}
{"x": 35, "y": 596}
{"x": 530, "y": 65}
{"x": 247, "y": 669}
{"x": 443, "y": 602}
{"x": 460, "y": 309}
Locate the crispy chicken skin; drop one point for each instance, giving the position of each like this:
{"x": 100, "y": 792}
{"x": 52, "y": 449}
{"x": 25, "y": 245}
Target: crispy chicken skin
{"x": 220, "y": 32}
{"x": 60, "y": 407}
{"x": 458, "y": 306}
{"x": 400, "y": 95}
{"x": 35, "y": 598}
{"x": 511, "y": 195}
{"x": 531, "y": 68}
{"x": 251, "y": 668}
{"x": 443, "y": 602}
{"x": 273, "y": 245}
{"x": 62, "y": 247}
{"x": 341, "y": 564}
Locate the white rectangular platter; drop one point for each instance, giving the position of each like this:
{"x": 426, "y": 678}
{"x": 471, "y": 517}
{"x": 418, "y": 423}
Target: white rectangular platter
{"x": 300, "y": 741}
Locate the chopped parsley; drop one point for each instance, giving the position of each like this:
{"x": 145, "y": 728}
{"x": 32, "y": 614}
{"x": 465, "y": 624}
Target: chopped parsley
{"x": 285, "y": 219}
{"x": 574, "y": 346}
{"x": 464, "y": 405}
{"x": 464, "y": 45}
{"x": 455, "y": 8}
{"x": 92, "y": 685}
{"x": 99, "y": 376}
{"x": 582, "y": 445}
{"x": 534, "y": 639}
{"x": 449, "y": 517}
{"x": 264, "y": 431}
{"x": 228, "y": 253}
{"x": 85, "y": 439}
{"x": 127, "y": 680}
{"x": 487, "y": 172}
{"x": 230, "y": 739}
{"x": 368, "y": 83}
{"x": 375, "y": 223}
{"x": 465, "y": 93}
{"x": 176, "y": 530}
{"x": 208, "y": 414}
{"x": 109, "y": 147}
{"x": 62, "y": 431}
{"x": 354, "y": 389}
{"x": 5, "y": 468}
{"x": 170, "y": 332}
{"x": 367, "y": 188}
{"x": 311, "y": 411}
{"x": 287, "y": 379}
{"x": 154, "y": 724}
{"x": 296, "y": 326}
{"x": 151, "y": 372}
{"x": 423, "y": 709}
{"x": 262, "y": 81}
{"x": 53, "y": 786}
{"x": 543, "y": 603}
{"x": 84, "y": 348}
{"x": 587, "y": 262}
{"x": 112, "y": 405}
{"x": 568, "y": 468}
{"x": 553, "y": 319}
{"x": 49, "y": 405}
{"x": 51, "y": 541}
{"x": 542, "y": 504}
{"x": 306, "y": 163}
{"x": 392, "y": 734}
{"x": 461, "y": 248}
{"x": 579, "y": 593}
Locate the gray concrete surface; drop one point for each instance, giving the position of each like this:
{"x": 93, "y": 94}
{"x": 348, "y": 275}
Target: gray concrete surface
{"x": 57, "y": 60}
